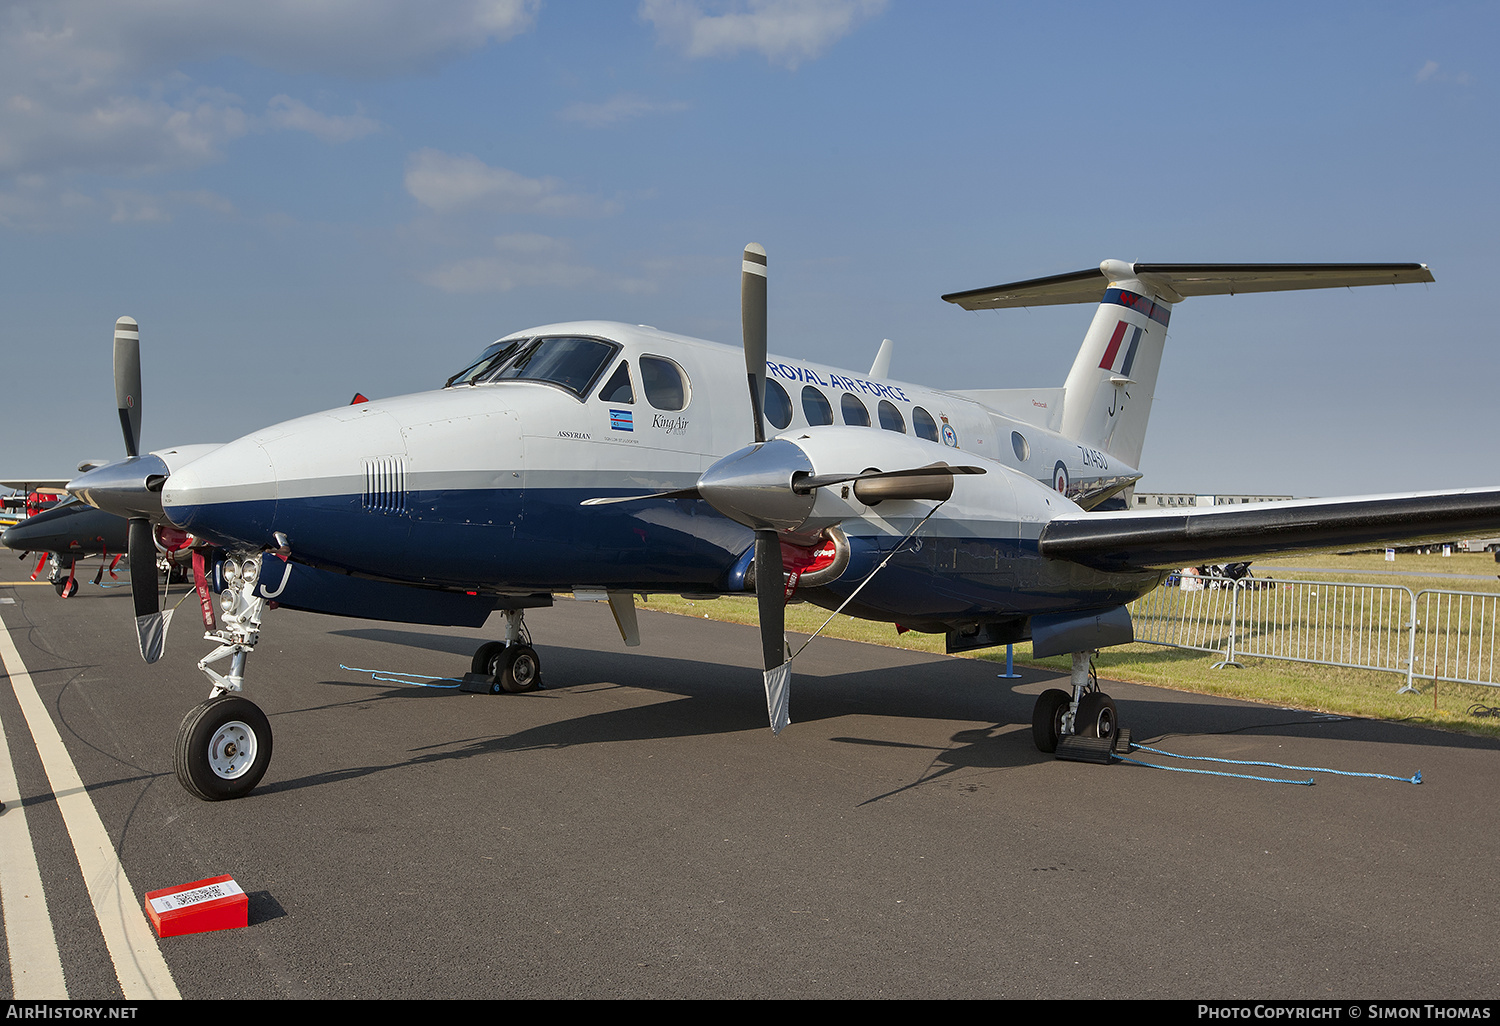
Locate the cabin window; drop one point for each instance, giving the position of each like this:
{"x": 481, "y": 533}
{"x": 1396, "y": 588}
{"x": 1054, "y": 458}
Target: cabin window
{"x": 618, "y": 388}
{"x": 815, "y": 406}
{"x": 890, "y": 417}
{"x": 570, "y": 363}
{"x": 1020, "y": 445}
{"x": 778, "y": 405}
{"x": 925, "y": 426}
{"x": 854, "y": 411}
{"x": 665, "y": 383}
{"x": 493, "y": 357}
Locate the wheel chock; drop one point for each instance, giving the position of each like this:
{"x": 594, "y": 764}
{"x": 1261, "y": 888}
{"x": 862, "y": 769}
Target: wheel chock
{"x": 479, "y": 684}
{"x": 1122, "y": 741}
{"x": 203, "y": 906}
{"x": 1084, "y": 749}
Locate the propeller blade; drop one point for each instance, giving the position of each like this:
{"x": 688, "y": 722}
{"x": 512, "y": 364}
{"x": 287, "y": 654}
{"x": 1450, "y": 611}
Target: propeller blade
{"x": 803, "y": 485}
{"x": 150, "y": 622}
{"x": 680, "y": 493}
{"x": 753, "y": 324}
{"x": 128, "y": 382}
{"x": 770, "y": 601}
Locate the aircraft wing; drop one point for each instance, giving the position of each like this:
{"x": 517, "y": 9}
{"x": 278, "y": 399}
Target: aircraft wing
{"x": 1167, "y": 539}
{"x": 1187, "y": 280}
{"x": 33, "y": 483}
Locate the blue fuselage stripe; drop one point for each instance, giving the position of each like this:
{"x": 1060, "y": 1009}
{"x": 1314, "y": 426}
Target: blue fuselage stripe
{"x": 544, "y": 540}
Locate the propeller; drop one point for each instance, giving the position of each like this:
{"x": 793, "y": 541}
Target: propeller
{"x": 150, "y": 622}
{"x": 770, "y": 594}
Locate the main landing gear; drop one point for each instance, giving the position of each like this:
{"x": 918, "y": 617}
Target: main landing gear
{"x": 1087, "y": 713}
{"x": 512, "y": 664}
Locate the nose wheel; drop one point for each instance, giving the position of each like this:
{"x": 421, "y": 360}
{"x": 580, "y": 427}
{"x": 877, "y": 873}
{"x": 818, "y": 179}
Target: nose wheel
{"x": 223, "y": 748}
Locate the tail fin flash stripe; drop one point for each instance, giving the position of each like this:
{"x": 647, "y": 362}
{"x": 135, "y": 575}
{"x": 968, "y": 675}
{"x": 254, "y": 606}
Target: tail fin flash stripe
{"x": 1131, "y": 301}
{"x": 1135, "y": 340}
{"x": 1113, "y": 349}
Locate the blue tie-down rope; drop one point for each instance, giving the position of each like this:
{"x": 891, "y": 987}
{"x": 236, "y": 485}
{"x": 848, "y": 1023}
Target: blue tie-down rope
{"x": 397, "y": 677}
{"x": 1414, "y": 779}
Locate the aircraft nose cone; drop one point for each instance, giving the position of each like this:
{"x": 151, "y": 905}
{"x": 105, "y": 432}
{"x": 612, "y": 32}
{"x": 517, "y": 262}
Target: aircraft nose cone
{"x": 129, "y": 488}
{"x": 29, "y": 537}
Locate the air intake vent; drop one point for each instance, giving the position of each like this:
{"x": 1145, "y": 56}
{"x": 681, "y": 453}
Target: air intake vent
{"x": 385, "y": 484}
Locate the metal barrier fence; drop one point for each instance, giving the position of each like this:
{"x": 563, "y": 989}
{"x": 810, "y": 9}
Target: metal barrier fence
{"x": 1425, "y": 635}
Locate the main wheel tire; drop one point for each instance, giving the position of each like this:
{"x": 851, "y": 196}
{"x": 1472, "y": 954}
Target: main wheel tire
{"x": 66, "y": 588}
{"x": 1047, "y": 718}
{"x": 223, "y": 748}
{"x": 1097, "y": 716}
{"x": 486, "y": 658}
{"x": 521, "y": 669}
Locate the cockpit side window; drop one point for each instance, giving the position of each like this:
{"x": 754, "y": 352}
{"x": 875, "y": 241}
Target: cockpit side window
{"x": 569, "y": 362}
{"x": 494, "y": 356}
{"x": 618, "y": 388}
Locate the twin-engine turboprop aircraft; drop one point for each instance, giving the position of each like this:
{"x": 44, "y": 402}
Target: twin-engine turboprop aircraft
{"x": 591, "y": 457}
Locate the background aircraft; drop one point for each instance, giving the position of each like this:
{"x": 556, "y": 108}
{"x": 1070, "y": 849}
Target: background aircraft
{"x": 69, "y": 531}
{"x": 589, "y": 456}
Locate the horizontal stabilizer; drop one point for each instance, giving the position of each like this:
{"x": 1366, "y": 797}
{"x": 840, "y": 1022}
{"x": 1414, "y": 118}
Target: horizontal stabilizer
{"x": 1168, "y": 539}
{"x": 1186, "y": 280}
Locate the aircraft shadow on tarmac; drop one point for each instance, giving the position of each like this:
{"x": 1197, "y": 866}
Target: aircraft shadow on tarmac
{"x": 714, "y": 698}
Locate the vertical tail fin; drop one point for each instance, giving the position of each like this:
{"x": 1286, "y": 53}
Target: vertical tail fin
{"x": 1107, "y": 397}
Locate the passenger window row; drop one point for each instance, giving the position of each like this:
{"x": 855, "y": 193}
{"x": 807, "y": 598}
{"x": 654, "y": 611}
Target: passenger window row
{"x": 818, "y": 411}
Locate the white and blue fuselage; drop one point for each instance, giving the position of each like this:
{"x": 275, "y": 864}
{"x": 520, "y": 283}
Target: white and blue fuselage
{"x": 477, "y": 487}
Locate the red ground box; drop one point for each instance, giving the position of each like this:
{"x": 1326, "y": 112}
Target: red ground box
{"x": 217, "y": 903}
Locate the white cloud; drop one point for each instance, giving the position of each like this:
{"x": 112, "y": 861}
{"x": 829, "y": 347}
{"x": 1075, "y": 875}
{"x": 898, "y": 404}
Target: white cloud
{"x": 85, "y": 42}
{"x": 450, "y": 182}
{"x": 1430, "y": 72}
{"x": 94, "y": 87}
{"x": 785, "y": 31}
{"x": 624, "y": 107}
{"x": 527, "y": 261}
{"x": 135, "y": 206}
{"x": 285, "y": 112}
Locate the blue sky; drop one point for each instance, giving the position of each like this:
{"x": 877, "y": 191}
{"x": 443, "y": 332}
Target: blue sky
{"x": 301, "y": 199}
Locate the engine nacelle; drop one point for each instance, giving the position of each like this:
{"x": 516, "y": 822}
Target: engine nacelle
{"x": 774, "y": 485}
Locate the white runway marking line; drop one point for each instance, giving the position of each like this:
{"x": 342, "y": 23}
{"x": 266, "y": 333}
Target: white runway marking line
{"x": 35, "y": 968}
{"x": 139, "y": 966}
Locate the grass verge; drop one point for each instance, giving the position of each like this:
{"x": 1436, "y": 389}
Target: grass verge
{"x": 1365, "y": 693}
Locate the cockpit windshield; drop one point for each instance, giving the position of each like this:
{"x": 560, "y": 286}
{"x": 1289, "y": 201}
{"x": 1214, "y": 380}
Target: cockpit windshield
{"x": 493, "y": 357}
{"x": 572, "y": 363}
